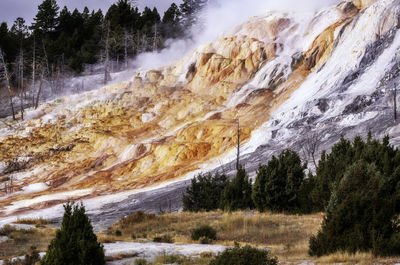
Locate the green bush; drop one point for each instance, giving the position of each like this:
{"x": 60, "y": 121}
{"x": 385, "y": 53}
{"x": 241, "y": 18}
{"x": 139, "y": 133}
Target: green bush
{"x": 7, "y": 229}
{"x": 204, "y": 194}
{"x": 118, "y": 233}
{"x": 137, "y": 217}
{"x": 204, "y": 232}
{"x": 332, "y": 167}
{"x": 237, "y": 194}
{"x": 279, "y": 184}
{"x": 205, "y": 240}
{"x": 140, "y": 262}
{"x": 75, "y": 243}
{"x": 172, "y": 259}
{"x": 163, "y": 239}
{"x": 30, "y": 258}
{"x": 362, "y": 214}
{"x": 244, "y": 255}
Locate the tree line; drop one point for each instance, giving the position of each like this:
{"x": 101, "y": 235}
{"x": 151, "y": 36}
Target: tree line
{"x": 63, "y": 42}
{"x": 357, "y": 185}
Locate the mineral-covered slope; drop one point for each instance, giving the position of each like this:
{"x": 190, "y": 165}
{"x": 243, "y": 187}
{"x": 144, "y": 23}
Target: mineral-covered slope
{"x": 286, "y": 76}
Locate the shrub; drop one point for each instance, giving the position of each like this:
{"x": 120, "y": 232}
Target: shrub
{"x": 244, "y": 255}
{"x": 30, "y": 258}
{"x": 362, "y": 214}
{"x": 172, "y": 259}
{"x": 135, "y": 218}
{"x": 205, "y": 240}
{"x": 118, "y": 233}
{"x": 140, "y": 262}
{"x": 204, "y": 193}
{"x": 237, "y": 194}
{"x": 75, "y": 243}
{"x": 204, "y": 232}
{"x": 163, "y": 239}
{"x": 7, "y": 229}
{"x": 279, "y": 184}
{"x": 332, "y": 167}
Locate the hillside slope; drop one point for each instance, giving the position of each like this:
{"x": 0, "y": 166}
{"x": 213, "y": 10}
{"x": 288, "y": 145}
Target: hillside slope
{"x": 286, "y": 76}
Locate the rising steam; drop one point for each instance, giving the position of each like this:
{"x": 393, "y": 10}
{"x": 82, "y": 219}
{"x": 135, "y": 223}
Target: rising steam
{"x": 219, "y": 18}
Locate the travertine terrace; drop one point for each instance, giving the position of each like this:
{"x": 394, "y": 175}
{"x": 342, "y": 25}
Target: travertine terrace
{"x": 165, "y": 123}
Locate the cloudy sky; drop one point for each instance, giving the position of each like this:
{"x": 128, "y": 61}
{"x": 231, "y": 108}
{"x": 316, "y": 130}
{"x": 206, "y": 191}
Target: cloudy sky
{"x": 11, "y": 9}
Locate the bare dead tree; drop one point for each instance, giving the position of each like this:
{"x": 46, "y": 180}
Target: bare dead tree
{"x": 46, "y": 59}
{"x": 311, "y": 146}
{"x": 155, "y": 38}
{"x": 238, "y": 144}
{"x": 33, "y": 70}
{"x": 20, "y": 80}
{"x": 11, "y": 184}
{"x": 39, "y": 90}
{"x": 107, "y": 55}
{"x": 395, "y": 101}
{"x": 3, "y": 65}
{"x": 126, "y": 40}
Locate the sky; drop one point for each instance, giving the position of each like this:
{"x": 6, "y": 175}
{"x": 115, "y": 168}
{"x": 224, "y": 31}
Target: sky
{"x": 11, "y": 9}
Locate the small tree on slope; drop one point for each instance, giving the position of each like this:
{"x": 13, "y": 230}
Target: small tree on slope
{"x": 237, "y": 194}
{"x": 75, "y": 243}
{"x": 279, "y": 184}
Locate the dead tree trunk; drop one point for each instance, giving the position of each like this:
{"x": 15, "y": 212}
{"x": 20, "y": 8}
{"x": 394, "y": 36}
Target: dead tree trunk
{"x": 21, "y": 98}
{"x": 107, "y": 59}
{"x": 238, "y": 145}
{"x": 11, "y": 184}
{"x": 126, "y": 49}
{"x": 395, "y": 102}
{"x": 3, "y": 63}
{"x": 311, "y": 146}
{"x": 155, "y": 38}
{"x": 39, "y": 91}
{"x": 21, "y": 81}
{"x": 33, "y": 70}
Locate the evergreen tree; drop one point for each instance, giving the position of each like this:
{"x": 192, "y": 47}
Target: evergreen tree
{"x": 46, "y": 19}
{"x": 361, "y": 215}
{"x": 171, "y": 22}
{"x": 237, "y": 194}
{"x": 123, "y": 14}
{"x": 204, "y": 194}
{"x": 189, "y": 11}
{"x": 279, "y": 183}
{"x": 75, "y": 243}
{"x": 332, "y": 166}
{"x": 244, "y": 255}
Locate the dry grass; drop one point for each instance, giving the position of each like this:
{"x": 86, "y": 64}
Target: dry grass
{"x": 343, "y": 257}
{"x": 286, "y": 235}
{"x": 38, "y": 222}
{"x": 357, "y": 258}
{"x": 20, "y": 240}
{"x": 204, "y": 259}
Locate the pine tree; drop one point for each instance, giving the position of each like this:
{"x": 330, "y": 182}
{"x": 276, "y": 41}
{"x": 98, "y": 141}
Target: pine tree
{"x": 361, "y": 215}
{"x": 171, "y": 22}
{"x": 189, "y": 10}
{"x": 75, "y": 243}
{"x": 204, "y": 193}
{"x": 237, "y": 194}
{"x": 46, "y": 19}
{"x": 278, "y": 184}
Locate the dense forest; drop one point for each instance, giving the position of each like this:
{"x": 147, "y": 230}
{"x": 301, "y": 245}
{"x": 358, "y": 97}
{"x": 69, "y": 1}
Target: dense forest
{"x": 62, "y": 42}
